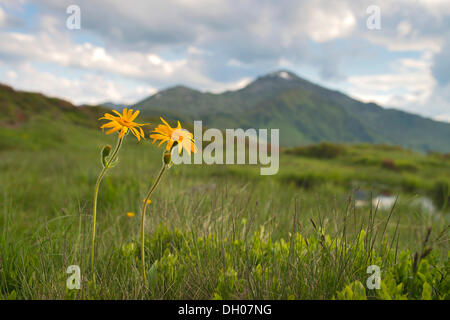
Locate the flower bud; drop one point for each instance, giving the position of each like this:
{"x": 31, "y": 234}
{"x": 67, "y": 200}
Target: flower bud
{"x": 167, "y": 157}
{"x": 105, "y": 153}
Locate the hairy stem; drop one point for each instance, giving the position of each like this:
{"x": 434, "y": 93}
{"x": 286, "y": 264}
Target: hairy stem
{"x": 144, "y": 208}
{"x": 97, "y": 186}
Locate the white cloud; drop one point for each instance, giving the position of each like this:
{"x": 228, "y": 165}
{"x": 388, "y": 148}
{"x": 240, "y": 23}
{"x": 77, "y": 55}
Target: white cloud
{"x": 237, "y": 63}
{"x": 197, "y": 51}
{"x": 410, "y": 87}
{"x": 403, "y": 28}
{"x": 2, "y": 17}
{"x": 89, "y": 88}
{"x": 11, "y": 75}
{"x": 59, "y": 49}
{"x": 409, "y": 42}
{"x": 234, "y": 85}
{"x": 325, "y": 24}
{"x": 443, "y": 117}
{"x": 411, "y": 82}
{"x": 438, "y": 8}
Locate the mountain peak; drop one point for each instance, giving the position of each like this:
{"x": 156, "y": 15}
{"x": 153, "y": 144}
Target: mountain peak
{"x": 283, "y": 74}
{"x": 181, "y": 88}
{"x": 280, "y": 77}
{"x": 279, "y": 80}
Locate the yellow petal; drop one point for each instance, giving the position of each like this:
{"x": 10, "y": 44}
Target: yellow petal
{"x": 130, "y": 113}
{"x": 193, "y": 147}
{"x": 165, "y": 122}
{"x": 108, "y": 116}
{"x": 133, "y": 116}
{"x": 113, "y": 130}
{"x": 162, "y": 141}
{"x": 123, "y": 131}
{"x": 169, "y": 145}
{"x": 136, "y": 133}
{"x": 109, "y": 125}
{"x": 116, "y": 112}
{"x": 158, "y": 136}
{"x": 142, "y": 132}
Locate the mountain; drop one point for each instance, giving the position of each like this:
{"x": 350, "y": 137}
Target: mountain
{"x": 113, "y": 105}
{"x": 303, "y": 111}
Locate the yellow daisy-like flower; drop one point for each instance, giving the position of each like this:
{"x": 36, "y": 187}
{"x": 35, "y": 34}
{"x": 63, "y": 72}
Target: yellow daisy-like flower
{"x": 130, "y": 214}
{"x": 124, "y": 122}
{"x": 165, "y": 132}
{"x": 148, "y": 201}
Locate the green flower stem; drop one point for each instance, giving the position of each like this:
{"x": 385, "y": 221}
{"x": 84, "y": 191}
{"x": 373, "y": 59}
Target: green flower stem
{"x": 97, "y": 186}
{"x": 144, "y": 208}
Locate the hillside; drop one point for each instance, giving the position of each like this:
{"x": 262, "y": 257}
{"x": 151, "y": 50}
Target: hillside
{"x": 18, "y": 107}
{"x": 304, "y": 112}
{"x": 34, "y": 121}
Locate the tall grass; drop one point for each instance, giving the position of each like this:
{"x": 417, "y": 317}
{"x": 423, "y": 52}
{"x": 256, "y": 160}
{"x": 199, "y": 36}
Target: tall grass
{"x": 211, "y": 232}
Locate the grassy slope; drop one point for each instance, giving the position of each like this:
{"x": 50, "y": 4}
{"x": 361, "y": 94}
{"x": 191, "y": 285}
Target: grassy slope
{"x": 17, "y": 107}
{"x": 379, "y": 168}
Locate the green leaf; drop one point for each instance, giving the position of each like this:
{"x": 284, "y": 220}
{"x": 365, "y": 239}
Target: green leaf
{"x": 12, "y": 295}
{"x": 426, "y": 291}
{"x": 105, "y": 153}
{"x": 153, "y": 274}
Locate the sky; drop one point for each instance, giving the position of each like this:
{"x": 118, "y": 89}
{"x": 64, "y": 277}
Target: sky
{"x": 124, "y": 51}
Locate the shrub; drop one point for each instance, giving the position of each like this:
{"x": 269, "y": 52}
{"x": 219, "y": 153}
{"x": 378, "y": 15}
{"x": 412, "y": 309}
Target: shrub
{"x": 306, "y": 180}
{"x": 441, "y": 194}
{"x": 322, "y": 150}
{"x": 439, "y": 156}
{"x": 387, "y": 147}
{"x": 405, "y": 165}
{"x": 388, "y": 164}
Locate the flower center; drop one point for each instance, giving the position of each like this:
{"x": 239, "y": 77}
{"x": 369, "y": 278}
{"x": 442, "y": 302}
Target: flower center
{"x": 124, "y": 122}
{"x": 178, "y": 135}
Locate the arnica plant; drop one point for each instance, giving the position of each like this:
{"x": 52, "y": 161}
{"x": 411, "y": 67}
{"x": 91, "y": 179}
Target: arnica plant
{"x": 124, "y": 123}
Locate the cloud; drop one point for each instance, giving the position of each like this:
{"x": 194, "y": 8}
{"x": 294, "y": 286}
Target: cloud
{"x": 220, "y": 45}
{"x": 2, "y": 17}
{"x": 51, "y": 45}
{"x": 330, "y": 22}
{"x": 441, "y": 66}
{"x": 89, "y": 88}
{"x": 411, "y": 87}
{"x": 234, "y": 85}
{"x": 440, "y": 102}
{"x": 248, "y": 31}
{"x": 445, "y": 117}
{"x": 410, "y": 83}
{"x": 409, "y": 25}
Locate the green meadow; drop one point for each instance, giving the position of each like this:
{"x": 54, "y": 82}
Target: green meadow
{"x": 219, "y": 231}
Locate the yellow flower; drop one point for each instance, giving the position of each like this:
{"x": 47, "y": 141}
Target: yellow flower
{"x": 148, "y": 201}
{"x": 130, "y": 214}
{"x": 165, "y": 132}
{"x": 123, "y": 122}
